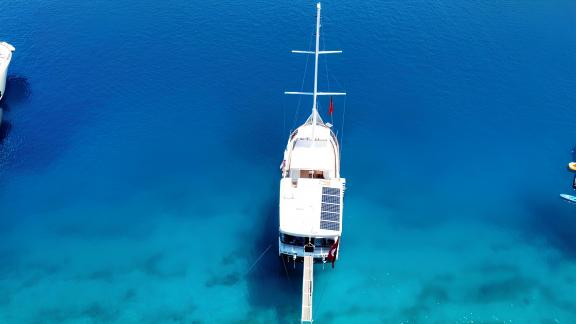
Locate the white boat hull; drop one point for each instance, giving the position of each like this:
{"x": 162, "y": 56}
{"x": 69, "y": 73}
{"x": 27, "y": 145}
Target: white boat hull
{"x": 3, "y": 75}
{"x": 5, "y": 58}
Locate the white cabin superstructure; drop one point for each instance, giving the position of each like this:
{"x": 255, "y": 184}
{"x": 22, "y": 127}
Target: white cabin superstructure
{"x": 311, "y": 189}
{"x": 311, "y": 192}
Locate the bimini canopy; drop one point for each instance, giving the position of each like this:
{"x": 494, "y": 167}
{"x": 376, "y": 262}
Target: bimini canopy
{"x": 313, "y": 155}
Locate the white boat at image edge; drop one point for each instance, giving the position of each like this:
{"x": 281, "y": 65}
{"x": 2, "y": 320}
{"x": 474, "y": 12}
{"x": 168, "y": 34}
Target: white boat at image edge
{"x": 569, "y": 198}
{"x": 5, "y": 58}
{"x": 311, "y": 189}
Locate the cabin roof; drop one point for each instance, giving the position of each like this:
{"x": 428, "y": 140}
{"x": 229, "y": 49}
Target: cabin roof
{"x": 312, "y": 207}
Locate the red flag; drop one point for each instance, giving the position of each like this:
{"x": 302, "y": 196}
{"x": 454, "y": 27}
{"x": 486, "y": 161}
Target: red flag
{"x": 331, "y": 109}
{"x": 333, "y": 252}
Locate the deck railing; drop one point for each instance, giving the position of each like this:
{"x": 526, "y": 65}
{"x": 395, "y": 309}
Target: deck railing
{"x": 298, "y": 251}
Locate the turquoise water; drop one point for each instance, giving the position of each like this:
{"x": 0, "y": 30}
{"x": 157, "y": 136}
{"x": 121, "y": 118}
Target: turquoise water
{"x": 141, "y": 142}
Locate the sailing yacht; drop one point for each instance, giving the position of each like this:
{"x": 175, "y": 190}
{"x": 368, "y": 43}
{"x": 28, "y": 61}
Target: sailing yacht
{"x": 5, "y": 57}
{"x": 311, "y": 189}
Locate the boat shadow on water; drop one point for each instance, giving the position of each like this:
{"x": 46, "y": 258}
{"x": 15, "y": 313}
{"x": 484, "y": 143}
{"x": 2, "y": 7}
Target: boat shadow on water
{"x": 17, "y": 91}
{"x": 5, "y": 128}
{"x": 553, "y": 219}
{"x": 273, "y": 283}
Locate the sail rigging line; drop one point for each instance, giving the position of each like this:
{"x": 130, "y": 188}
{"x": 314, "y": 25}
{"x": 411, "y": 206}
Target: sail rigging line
{"x": 284, "y": 115}
{"x": 342, "y": 127}
{"x": 343, "y": 108}
{"x": 328, "y": 79}
{"x": 328, "y": 76}
{"x": 315, "y": 93}
{"x": 302, "y": 85}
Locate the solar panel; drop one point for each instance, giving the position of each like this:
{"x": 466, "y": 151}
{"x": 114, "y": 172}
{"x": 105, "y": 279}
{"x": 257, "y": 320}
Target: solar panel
{"x": 333, "y": 208}
{"x": 330, "y": 191}
{"x": 330, "y": 209}
{"x": 334, "y": 217}
{"x": 332, "y": 226}
{"x": 331, "y": 199}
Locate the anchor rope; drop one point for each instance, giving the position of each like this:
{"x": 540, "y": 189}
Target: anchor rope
{"x": 258, "y": 260}
{"x": 285, "y": 269}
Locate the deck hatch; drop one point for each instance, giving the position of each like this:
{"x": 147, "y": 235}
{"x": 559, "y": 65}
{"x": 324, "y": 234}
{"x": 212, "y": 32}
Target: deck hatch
{"x": 330, "y": 210}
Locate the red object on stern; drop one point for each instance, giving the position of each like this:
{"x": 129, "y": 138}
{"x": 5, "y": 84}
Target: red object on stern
{"x": 333, "y": 252}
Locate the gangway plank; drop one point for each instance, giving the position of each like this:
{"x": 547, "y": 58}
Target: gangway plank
{"x": 307, "y": 288}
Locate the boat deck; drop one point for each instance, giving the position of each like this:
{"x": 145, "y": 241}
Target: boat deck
{"x": 5, "y": 53}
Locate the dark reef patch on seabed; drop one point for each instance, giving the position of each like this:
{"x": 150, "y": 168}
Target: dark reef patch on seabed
{"x": 33, "y": 273}
{"x": 100, "y": 275}
{"x": 94, "y": 312}
{"x": 549, "y": 296}
{"x": 157, "y": 265}
{"x": 429, "y": 297}
{"x": 553, "y": 219}
{"x": 129, "y": 295}
{"x": 228, "y": 280}
{"x": 355, "y": 310}
{"x": 229, "y": 259}
{"x": 99, "y": 313}
{"x": 489, "y": 268}
{"x": 514, "y": 288}
{"x": 100, "y": 225}
{"x": 496, "y": 284}
{"x": 172, "y": 315}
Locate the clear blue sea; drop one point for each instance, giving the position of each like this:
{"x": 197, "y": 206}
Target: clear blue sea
{"x": 141, "y": 142}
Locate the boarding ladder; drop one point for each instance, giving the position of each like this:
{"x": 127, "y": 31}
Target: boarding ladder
{"x": 307, "y": 287}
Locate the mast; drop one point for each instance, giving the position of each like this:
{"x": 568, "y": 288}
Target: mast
{"x": 315, "y": 92}
{"x": 314, "y": 110}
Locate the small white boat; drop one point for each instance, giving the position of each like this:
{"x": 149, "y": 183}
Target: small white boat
{"x": 569, "y": 198}
{"x": 5, "y": 58}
